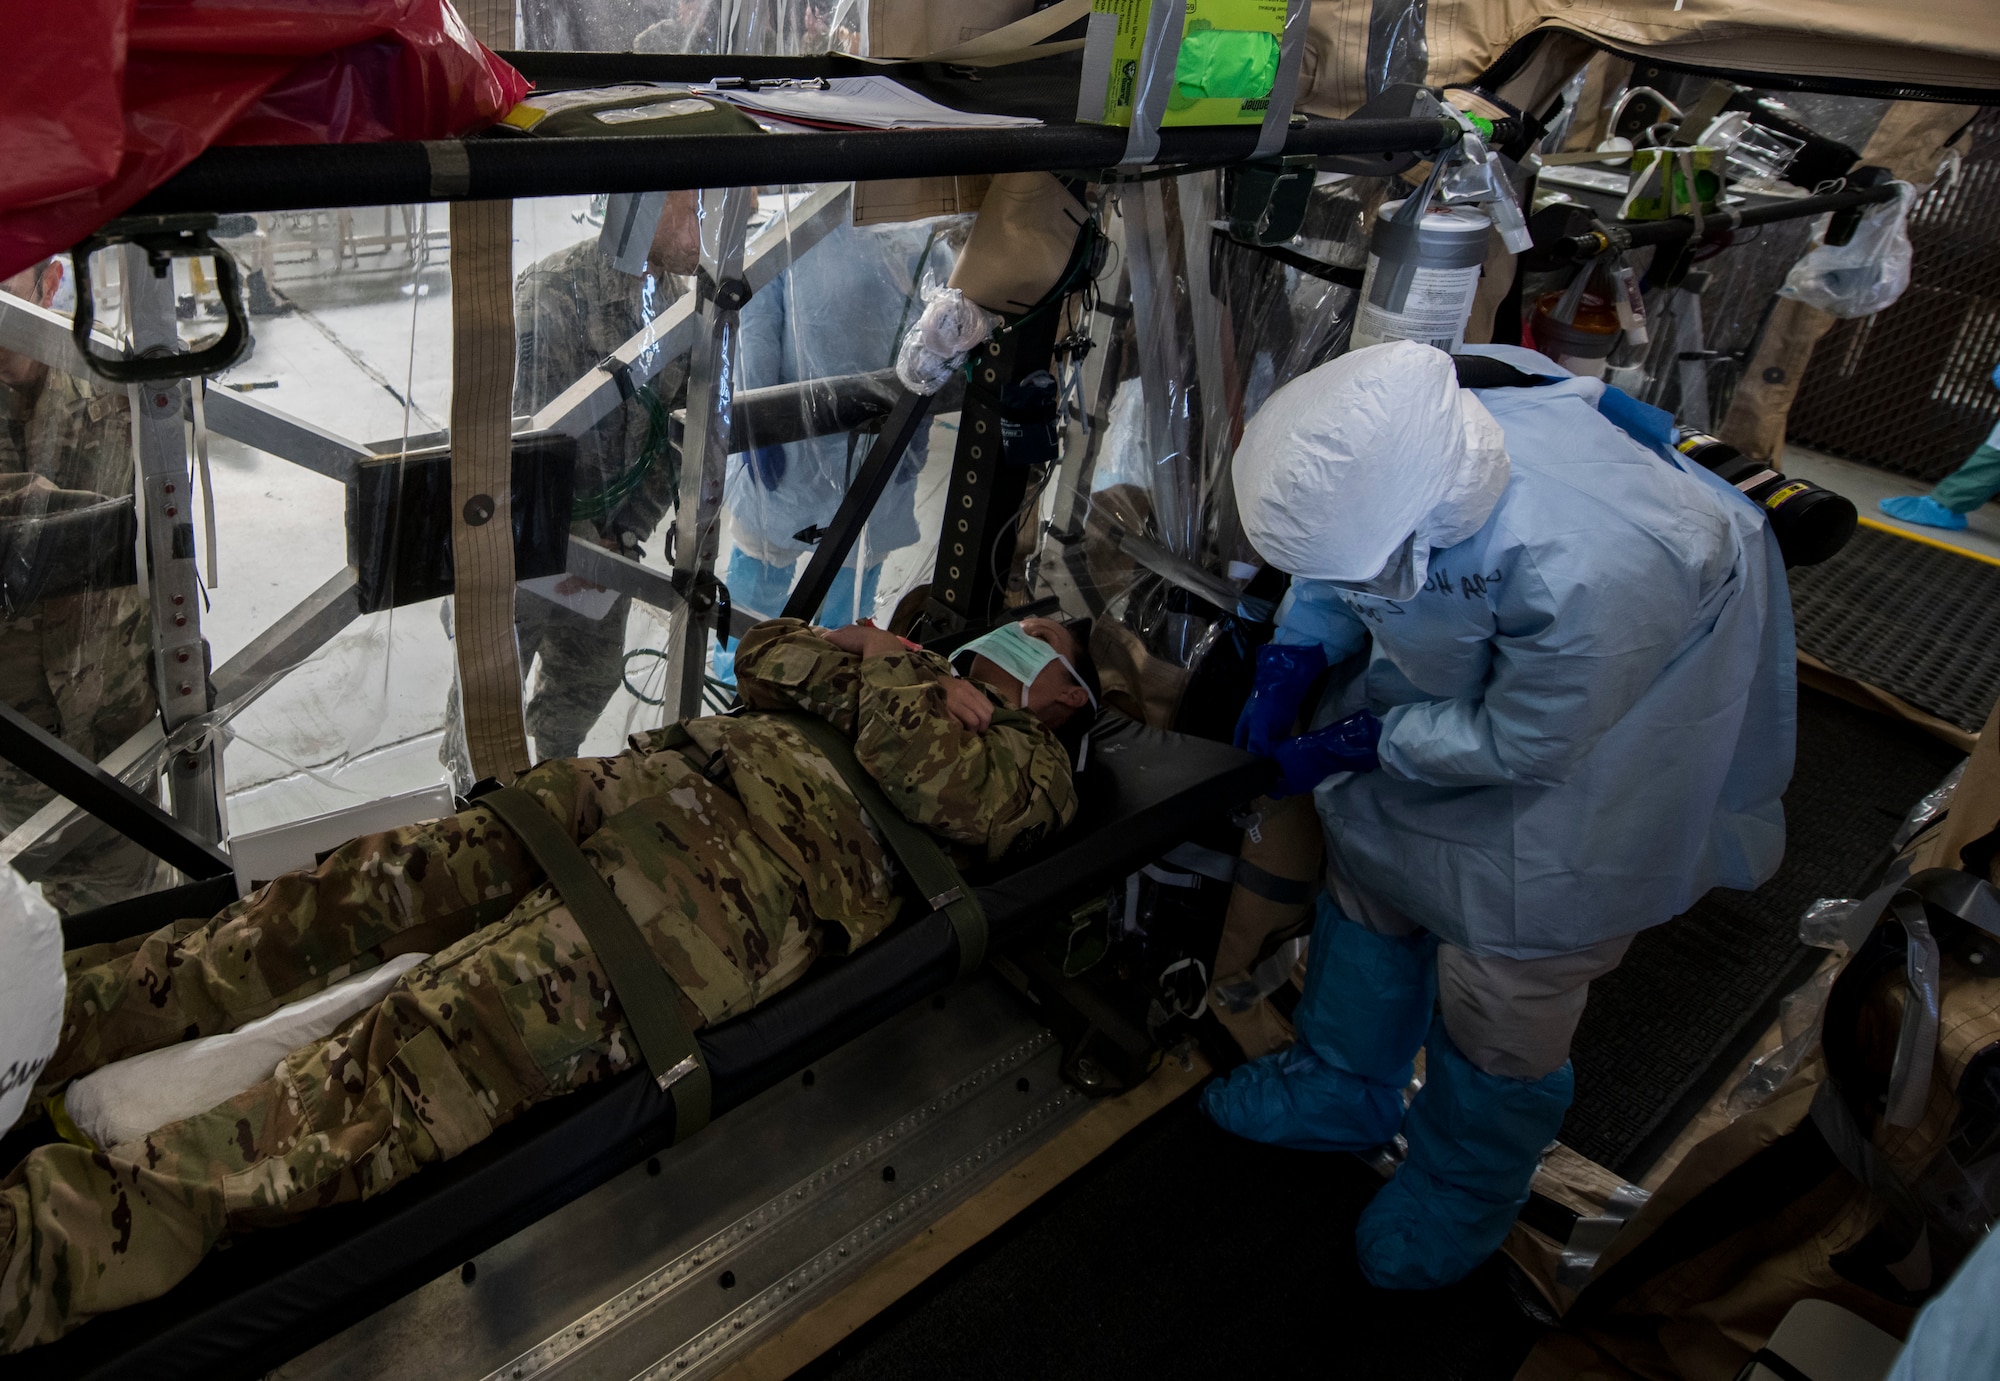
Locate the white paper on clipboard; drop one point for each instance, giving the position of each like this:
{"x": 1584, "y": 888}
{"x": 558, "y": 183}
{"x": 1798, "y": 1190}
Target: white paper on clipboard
{"x": 575, "y": 593}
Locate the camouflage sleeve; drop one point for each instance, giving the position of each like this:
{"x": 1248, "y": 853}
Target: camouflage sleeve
{"x": 1006, "y": 788}
{"x": 997, "y": 791}
{"x": 544, "y": 316}
{"x": 783, "y": 664}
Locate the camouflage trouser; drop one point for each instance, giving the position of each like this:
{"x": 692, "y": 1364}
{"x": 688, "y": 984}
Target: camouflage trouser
{"x": 515, "y": 1012}
{"x": 77, "y": 666}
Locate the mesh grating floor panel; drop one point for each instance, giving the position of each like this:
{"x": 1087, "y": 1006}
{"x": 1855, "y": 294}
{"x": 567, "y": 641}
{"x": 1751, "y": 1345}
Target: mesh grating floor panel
{"x": 1917, "y": 621}
{"x": 1907, "y": 389}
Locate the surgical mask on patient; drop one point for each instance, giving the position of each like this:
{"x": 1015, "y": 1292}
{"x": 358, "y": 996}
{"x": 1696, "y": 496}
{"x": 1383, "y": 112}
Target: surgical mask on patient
{"x": 1021, "y": 655}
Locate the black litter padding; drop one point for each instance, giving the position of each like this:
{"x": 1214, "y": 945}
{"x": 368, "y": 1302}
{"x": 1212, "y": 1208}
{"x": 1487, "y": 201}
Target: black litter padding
{"x": 1918, "y": 621}
{"x": 143, "y": 914}
{"x": 273, "y": 1294}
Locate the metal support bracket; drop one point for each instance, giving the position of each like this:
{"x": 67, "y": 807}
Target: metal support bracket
{"x": 77, "y": 779}
{"x": 166, "y": 492}
{"x": 838, "y": 539}
{"x": 984, "y": 500}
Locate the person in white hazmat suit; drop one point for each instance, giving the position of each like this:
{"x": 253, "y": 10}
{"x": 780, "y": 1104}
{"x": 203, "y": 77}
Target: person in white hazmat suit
{"x": 839, "y": 309}
{"x": 32, "y": 988}
{"x": 1562, "y": 708}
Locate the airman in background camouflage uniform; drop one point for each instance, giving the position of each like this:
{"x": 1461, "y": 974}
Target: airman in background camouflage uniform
{"x": 739, "y": 855}
{"x": 78, "y": 665}
{"x": 571, "y": 310}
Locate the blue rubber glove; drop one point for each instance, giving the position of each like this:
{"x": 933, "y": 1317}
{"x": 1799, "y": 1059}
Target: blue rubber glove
{"x": 1284, "y": 675}
{"x": 1346, "y": 746}
{"x": 767, "y": 463}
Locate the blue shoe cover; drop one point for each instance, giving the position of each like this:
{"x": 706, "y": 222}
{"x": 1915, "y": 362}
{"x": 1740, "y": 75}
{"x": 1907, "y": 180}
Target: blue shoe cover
{"x": 1292, "y": 1099}
{"x": 755, "y": 584}
{"x": 1366, "y": 1006}
{"x": 1475, "y": 1140}
{"x": 1923, "y": 509}
{"x": 839, "y": 608}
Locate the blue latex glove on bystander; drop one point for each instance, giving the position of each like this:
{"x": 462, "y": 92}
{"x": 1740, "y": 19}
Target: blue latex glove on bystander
{"x": 767, "y": 463}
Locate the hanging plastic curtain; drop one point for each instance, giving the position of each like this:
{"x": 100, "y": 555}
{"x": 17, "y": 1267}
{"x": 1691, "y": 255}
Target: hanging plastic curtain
{"x": 1195, "y": 331}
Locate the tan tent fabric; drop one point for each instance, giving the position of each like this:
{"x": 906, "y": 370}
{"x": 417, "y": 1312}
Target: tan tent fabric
{"x": 482, "y": 422}
{"x": 1024, "y": 237}
{"x": 1605, "y": 78}
{"x": 1755, "y": 423}
{"x": 1935, "y": 43}
{"x": 917, "y": 28}
{"x": 918, "y": 198}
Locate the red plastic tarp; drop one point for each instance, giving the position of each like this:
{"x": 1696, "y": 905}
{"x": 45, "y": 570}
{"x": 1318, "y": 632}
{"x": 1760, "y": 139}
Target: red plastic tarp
{"x": 106, "y": 99}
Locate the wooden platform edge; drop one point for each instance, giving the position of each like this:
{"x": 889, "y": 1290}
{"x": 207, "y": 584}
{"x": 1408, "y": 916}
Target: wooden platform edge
{"x": 1821, "y": 677}
{"x": 915, "y": 1261}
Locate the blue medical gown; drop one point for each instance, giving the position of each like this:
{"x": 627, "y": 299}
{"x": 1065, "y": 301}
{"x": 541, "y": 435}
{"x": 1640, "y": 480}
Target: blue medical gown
{"x": 1588, "y": 710}
{"x": 834, "y": 311}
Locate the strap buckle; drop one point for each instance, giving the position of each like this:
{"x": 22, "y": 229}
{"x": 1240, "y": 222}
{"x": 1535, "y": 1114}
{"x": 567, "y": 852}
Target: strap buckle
{"x": 687, "y": 1066}
{"x": 944, "y": 899}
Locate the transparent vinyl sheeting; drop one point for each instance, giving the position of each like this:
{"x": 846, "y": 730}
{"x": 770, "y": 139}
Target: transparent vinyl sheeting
{"x": 314, "y": 475}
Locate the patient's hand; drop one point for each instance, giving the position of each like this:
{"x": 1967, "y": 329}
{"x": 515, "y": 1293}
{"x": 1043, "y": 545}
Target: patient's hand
{"x": 863, "y": 640}
{"x": 967, "y": 704}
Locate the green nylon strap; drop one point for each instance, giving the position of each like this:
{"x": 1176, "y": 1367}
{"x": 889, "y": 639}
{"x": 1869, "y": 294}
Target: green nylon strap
{"x": 646, "y": 991}
{"x": 922, "y": 858}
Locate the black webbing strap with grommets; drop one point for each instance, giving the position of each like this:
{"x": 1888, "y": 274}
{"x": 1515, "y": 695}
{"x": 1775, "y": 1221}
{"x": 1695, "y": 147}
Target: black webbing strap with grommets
{"x": 925, "y": 861}
{"x": 646, "y": 992}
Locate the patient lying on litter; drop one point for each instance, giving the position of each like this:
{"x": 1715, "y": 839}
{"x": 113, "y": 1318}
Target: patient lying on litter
{"x": 737, "y": 850}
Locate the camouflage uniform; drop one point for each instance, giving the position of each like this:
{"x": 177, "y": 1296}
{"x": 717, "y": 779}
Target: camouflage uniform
{"x": 571, "y": 310}
{"x": 739, "y": 855}
{"x": 78, "y": 665}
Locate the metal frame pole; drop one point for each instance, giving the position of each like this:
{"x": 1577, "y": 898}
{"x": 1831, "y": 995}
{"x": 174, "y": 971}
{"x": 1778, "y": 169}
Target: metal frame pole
{"x": 166, "y": 491}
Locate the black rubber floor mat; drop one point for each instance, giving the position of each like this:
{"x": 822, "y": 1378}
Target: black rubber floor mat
{"x": 1186, "y": 1252}
{"x": 1921, "y": 622}
{"x": 1665, "y": 1028}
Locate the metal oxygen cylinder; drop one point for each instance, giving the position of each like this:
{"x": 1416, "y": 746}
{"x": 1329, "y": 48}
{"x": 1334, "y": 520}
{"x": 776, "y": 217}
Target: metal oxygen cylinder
{"x": 1810, "y": 523}
{"x": 1422, "y": 275}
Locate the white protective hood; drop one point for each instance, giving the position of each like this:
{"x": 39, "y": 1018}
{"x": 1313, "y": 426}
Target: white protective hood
{"x": 31, "y": 990}
{"x": 1344, "y": 466}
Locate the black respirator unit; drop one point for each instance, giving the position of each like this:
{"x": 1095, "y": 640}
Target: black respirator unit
{"x": 1810, "y": 523}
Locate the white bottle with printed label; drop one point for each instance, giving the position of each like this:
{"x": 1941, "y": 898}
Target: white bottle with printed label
{"x": 1421, "y": 279}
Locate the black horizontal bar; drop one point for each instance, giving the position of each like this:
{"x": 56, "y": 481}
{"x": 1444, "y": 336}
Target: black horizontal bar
{"x": 1304, "y": 263}
{"x": 779, "y": 414}
{"x": 303, "y": 177}
{"x": 83, "y": 783}
{"x": 1720, "y": 223}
